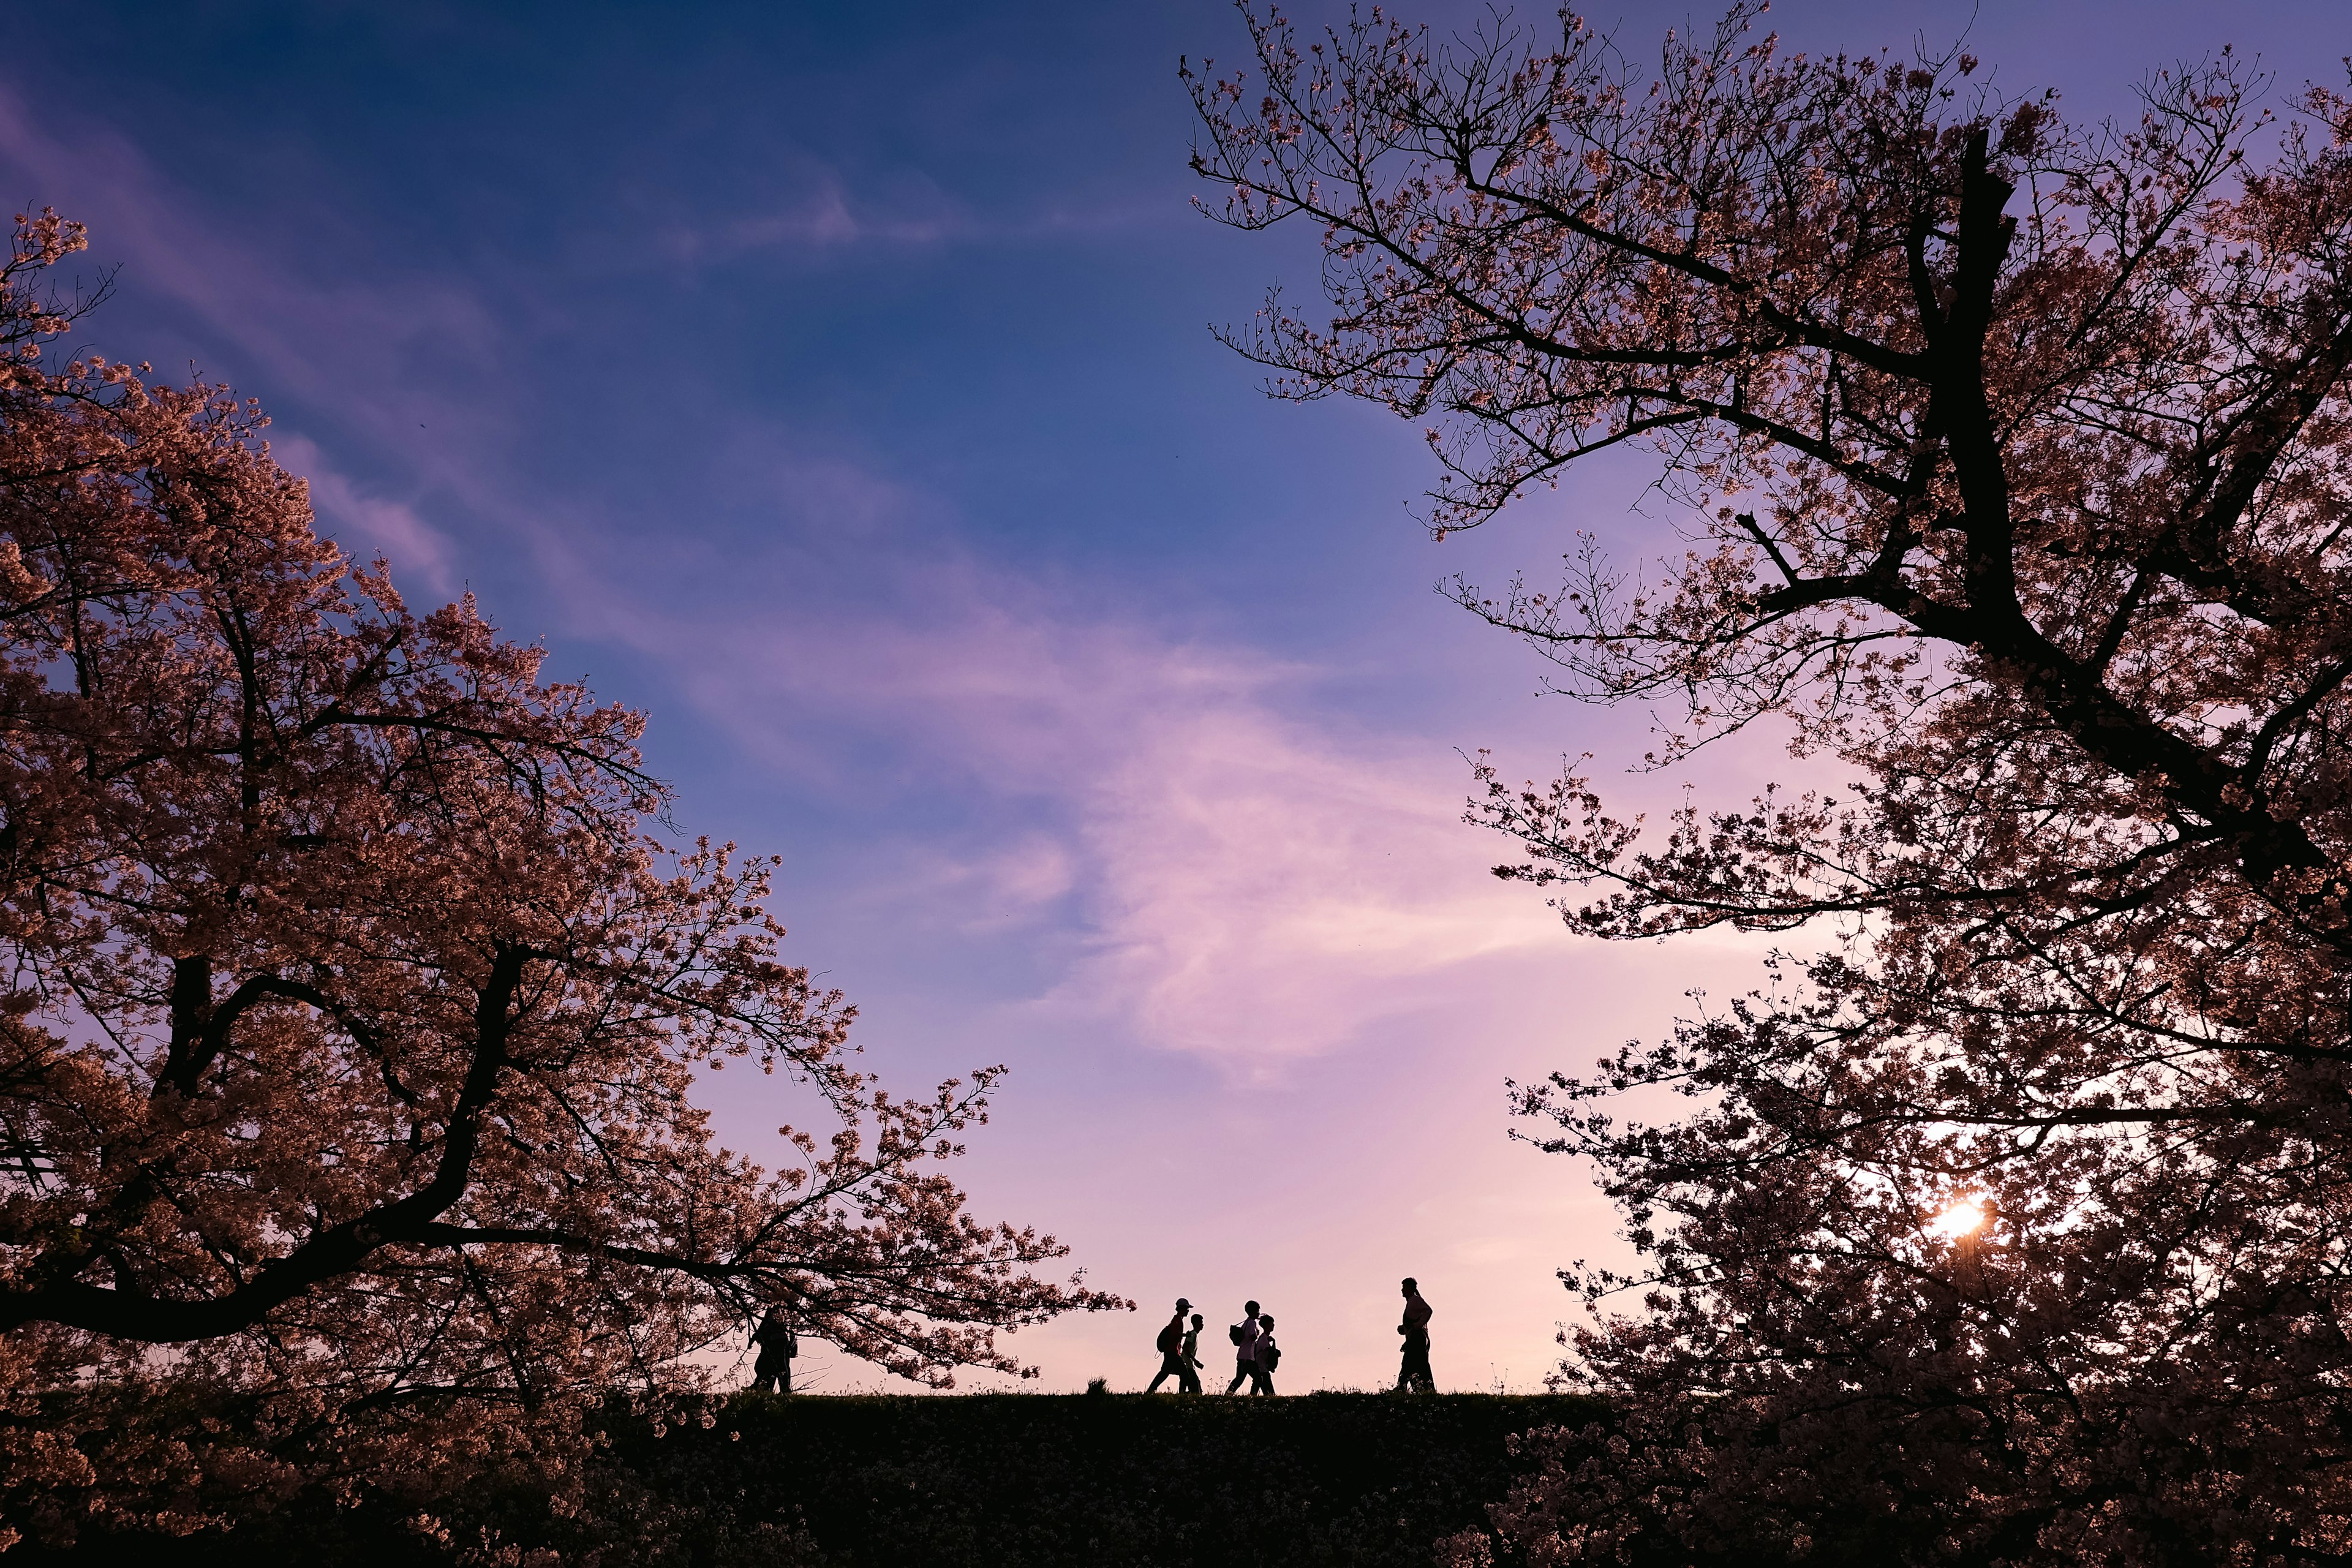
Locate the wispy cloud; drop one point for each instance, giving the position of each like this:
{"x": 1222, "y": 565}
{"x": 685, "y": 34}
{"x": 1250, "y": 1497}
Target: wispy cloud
{"x": 822, "y": 218}
{"x": 1223, "y": 870}
{"x": 824, "y": 210}
{"x": 278, "y": 317}
{"x": 368, "y": 525}
{"x": 1266, "y": 888}
{"x": 348, "y": 349}
{"x": 1251, "y": 883}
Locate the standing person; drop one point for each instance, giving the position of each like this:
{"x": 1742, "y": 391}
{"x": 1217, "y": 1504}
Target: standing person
{"x": 1415, "y": 1330}
{"x": 1191, "y": 1382}
{"x": 1171, "y": 1350}
{"x": 778, "y": 1345}
{"x": 1269, "y": 1356}
{"x": 1245, "y": 1335}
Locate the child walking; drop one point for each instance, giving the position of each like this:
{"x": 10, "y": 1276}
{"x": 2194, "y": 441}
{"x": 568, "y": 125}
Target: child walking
{"x": 1269, "y": 1356}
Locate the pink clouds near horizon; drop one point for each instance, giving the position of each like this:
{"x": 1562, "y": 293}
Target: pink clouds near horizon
{"x": 1211, "y": 870}
{"x": 1254, "y": 880}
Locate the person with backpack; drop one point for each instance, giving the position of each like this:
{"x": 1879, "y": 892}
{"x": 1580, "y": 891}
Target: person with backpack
{"x": 1269, "y": 1356}
{"x": 1171, "y": 1350}
{"x": 778, "y": 1345}
{"x": 1191, "y": 1379}
{"x": 1415, "y": 1330}
{"x": 1245, "y": 1335}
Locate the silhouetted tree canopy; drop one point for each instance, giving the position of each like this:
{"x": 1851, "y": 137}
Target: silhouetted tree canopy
{"x": 352, "y": 1014}
{"x": 2016, "y": 453}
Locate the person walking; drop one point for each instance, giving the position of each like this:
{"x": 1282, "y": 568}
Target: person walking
{"x": 1415, "y": 1330}
{"x": 1171, "y": 1350}
{"x": 1269, "y": 1356}
{"x": 1191, "y": 1382}
{"x": 773, "y": 1369}
{"x": 1245, "y": 1335}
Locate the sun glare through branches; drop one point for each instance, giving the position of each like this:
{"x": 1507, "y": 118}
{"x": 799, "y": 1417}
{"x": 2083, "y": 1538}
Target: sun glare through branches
{"x": 2012, "y": 460}
{"x": 1961, "y": 1217}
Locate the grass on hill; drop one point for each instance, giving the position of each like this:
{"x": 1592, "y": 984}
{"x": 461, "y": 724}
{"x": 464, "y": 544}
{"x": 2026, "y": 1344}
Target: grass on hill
{"x": 1155, "y": 1481}
{"x": 1347, "y": 1480}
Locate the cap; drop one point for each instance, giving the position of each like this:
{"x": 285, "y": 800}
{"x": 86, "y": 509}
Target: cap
{"x": 1182, "y": 1305}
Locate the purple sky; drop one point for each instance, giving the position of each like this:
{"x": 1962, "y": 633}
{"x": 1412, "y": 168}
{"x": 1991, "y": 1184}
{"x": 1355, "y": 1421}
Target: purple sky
{"x": 834, "y": 381}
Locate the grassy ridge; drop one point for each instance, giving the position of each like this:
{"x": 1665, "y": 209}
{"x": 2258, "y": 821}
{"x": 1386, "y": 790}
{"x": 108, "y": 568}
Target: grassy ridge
{"x": 1013, "y": 1480}
{"x": 1349, "y": 1481}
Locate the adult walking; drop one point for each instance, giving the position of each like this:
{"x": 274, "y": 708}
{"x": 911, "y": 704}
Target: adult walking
{"x": 778, "y": 1345}
{"x": 1171, "y": 1350}
{"x": 1415, "y": 1330}
{"x": 1245, "y": 1335}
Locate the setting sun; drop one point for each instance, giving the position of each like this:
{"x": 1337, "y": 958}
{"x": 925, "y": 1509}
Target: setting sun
{"x": 1962, "y": 1217}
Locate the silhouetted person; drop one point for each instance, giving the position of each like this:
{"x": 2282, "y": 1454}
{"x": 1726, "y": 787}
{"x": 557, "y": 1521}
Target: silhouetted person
{"x": 777, "y": 1344}
{"x": 1171, "y": 1350}
{"x": 1269, "y": 1356}
{"x": 1415, "y": 1330}
{"x": 1245, "y": 1335}
{"x": 1190, "y": 1382}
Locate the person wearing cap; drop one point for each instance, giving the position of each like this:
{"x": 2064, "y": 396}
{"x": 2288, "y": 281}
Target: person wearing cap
{"x": 1171, "y": 1350}
{"x": 1414, "y": 1373}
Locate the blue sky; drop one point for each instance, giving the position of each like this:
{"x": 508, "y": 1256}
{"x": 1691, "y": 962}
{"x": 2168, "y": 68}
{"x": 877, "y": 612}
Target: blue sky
{"x": 834, "y": 381}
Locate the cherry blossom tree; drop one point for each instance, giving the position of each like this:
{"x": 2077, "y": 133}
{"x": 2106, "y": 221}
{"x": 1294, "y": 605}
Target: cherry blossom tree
{"x": 2008, "y": 1220}
{"x": 353, "y": 1011}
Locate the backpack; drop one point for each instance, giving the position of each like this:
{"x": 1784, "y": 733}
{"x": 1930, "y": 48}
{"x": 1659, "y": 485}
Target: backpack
{"x": 1269, "y": 1355}
{"x": 1170, "y": 1339}
{"x": 1235, "y": 1333}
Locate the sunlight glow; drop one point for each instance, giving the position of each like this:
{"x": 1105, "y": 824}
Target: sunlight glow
{"x": 1959, "y": 1219}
